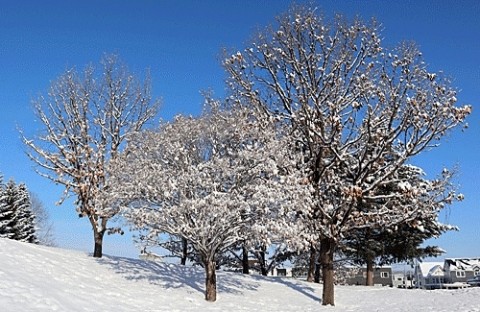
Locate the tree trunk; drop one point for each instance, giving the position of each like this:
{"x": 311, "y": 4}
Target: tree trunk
{"x": 317, "y": 273}
{"x": 369, "y": 279}
{"x": 327, "y": 250}
{"x": 183, "y": 260}
{"x": 312, "y": 264}
{"x": 245, "y": 264}
{"x": 98, "y": 236}
{"x": 263, "y": 265}
{"x": 98, "y": 250}
{"x": 210, "y": 281}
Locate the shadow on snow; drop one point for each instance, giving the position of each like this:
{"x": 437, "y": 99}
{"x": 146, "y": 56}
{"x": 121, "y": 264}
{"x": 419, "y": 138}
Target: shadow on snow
{"x": 169, "y": 275}
{"x": 294, "y": 284}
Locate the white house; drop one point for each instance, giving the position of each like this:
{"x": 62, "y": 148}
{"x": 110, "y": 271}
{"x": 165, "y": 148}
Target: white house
{"x": 452, "y": 273}
{"x": 459, "y": 270}
{"x": 429, "y": 275}
{"x": 280, "y": 271}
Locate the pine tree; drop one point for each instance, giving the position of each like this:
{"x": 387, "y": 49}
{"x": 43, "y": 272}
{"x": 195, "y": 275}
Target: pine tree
{"x": 17, "y": 220}
{"x": 7, "y": 212}
{"x": 24, "y": 228}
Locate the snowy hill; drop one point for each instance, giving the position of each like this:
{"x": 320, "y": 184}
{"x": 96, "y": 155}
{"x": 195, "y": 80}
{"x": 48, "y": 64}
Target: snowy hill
{"x": 36, "y": 278}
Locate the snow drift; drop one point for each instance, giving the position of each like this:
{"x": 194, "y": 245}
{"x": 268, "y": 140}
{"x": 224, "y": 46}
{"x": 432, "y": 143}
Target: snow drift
{"x": 37, "y": 278}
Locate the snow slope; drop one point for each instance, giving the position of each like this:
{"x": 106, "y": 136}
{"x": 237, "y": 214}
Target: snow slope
{"x": 36, "y": 278}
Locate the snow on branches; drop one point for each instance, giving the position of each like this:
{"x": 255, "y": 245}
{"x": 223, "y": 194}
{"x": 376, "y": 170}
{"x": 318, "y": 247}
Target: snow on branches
{"x": 86, "y": 118}
{"x": 17, "y": 220}
{"x": 206, "y": 178}
{"x": 357, "y": 110}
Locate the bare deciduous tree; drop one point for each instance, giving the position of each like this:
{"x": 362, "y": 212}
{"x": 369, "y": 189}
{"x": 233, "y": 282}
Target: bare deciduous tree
{"x": 44, "y": 227}
{"x": 357, "y": 110}
{"x": 85, "y": 119}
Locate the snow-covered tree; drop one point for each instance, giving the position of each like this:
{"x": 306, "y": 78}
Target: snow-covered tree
{"x": 204, "y": 178}
{"x": 357, "y": 110}
{"x": 178, "y": 247}
{"x": 24, "y": 227}
{"x": 7, "y": 211}
{"x": 236, "y": 256}
{"x": 403, "y": 242}
{"x": 16, "y": 218}
{"x": 268, "y": 257}
{"x": 86, "y": 118}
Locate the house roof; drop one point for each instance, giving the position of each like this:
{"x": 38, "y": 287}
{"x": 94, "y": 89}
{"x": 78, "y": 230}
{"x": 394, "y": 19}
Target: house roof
{"x": 429, "y": 268}
{"x": 466, "y": 264}
{"x": 364, "y": 268}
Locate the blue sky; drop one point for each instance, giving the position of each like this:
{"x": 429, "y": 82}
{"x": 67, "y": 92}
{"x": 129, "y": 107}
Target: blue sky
{"x": 180, "y": 41}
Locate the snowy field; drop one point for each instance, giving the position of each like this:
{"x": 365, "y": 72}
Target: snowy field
{"x": 36, "y": 278}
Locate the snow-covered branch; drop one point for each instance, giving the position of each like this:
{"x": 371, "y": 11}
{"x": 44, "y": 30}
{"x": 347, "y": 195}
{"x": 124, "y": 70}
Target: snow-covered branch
{"x": 85, "y": 118}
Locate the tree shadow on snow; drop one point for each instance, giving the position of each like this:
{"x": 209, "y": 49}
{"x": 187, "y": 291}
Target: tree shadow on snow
{"x": 294, "y": 284}
{"x": 169, "y": 275}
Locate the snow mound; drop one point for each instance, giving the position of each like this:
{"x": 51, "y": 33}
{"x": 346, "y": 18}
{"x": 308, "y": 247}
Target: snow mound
{"x": 37, "y": 278}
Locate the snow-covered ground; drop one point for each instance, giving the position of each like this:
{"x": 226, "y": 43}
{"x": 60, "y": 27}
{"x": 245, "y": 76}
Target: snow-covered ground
{"x": 36, "y": 278}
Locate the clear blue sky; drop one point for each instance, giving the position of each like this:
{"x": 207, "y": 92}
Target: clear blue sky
{"x": 180, "y": 41}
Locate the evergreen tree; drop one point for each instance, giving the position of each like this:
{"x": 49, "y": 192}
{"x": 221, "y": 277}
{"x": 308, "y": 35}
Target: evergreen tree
{"x": 7, "y": 212}
{"x": 17, "y": 220}
{"x": 24, "y": 227}
{"x": 404, "y": 241}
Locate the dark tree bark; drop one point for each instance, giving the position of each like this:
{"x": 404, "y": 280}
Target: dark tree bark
{"x": 245, "y": 264}
{"x": 369, "y": 279}
{"x": 327, "y": 250}
{"x": 210, "y": 281}
{"x": 98, "y": 249}
{"x": 183, "y": 260}
{"x": 317, "y": 272}
{"x": 98, "y": 236}
{"x": 263, "y": 265}
{"x": 311, "y": 264}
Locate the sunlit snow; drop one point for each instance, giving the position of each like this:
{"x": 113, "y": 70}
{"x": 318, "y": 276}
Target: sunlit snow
{"x": 36, "y": 278}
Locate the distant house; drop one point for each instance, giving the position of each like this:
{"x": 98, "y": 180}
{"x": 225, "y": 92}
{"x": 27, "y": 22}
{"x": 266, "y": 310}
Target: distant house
{"x": 429, "y": 275}
{"x": 358, "y": 276}
{"x": 459, "y": 270}
{"x": 452, "y": 273}
{"x": 281, "y": 272}
{"x": 403, "y": 280}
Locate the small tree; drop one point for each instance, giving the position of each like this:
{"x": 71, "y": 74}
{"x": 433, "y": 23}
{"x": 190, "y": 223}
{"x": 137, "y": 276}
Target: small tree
{"x": 203, "y": 179}
{"x": 16, "y": 218}
{"x": 177, "y": 246}
{"x": 357, "y": 111}
{"x": 25, "y": 223}
{"x": 44, "y": 227}
{"x": 7, "y": 211}
{"x": 86, "y": 118}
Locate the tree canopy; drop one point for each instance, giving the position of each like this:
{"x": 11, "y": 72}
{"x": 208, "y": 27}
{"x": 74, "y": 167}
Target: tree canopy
{"x": 86, "y": 118}
{"x": 358, "y": 110}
